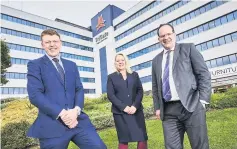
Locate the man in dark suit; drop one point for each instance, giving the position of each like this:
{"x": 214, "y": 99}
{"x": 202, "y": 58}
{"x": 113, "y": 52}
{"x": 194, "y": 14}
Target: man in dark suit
{"x": 54, "y": 87}
{"x": 181, "y": 86}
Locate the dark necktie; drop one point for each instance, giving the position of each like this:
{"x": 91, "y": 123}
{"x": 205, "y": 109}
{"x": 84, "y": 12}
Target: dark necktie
{"x": 59, "y": 68}
{"x": 165, "y": 81}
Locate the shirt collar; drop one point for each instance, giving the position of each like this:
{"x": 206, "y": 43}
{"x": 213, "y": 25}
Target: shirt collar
{"x": 165, "y": 51}
{"x": 51, "y": 58}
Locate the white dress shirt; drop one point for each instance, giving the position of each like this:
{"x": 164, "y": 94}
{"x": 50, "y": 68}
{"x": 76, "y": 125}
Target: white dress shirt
{"x": 173, "y": 90}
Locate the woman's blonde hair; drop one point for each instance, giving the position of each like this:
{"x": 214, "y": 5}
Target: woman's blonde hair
{"x": 128, "y": 69}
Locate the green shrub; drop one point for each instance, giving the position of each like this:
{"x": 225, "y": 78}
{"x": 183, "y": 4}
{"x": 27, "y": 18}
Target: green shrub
{"x": 14, "y": 136}
{"x": 224, "y": 100}
{"x": 102, "y": 122}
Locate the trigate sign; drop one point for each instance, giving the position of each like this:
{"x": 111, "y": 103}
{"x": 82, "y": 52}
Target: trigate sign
{"x": 102, "y": 37}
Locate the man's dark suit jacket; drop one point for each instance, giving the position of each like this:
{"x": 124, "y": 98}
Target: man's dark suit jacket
{"x": 191, "y": 77}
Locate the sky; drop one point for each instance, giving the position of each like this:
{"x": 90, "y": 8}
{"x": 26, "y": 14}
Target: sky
{"x": 78, "y": 11}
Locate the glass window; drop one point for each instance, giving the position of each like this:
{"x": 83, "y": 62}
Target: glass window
{"x": 209, "y": 44}
{"x": 9, "y": 18}
{"x": 219, "y": 62}
{"x": 215, "y": 43}
{"x": 9, "y": 32}
{"x": 199, "y": 47}
{"x": 233, "y": 58}
{"x": 181, "y": 37}
{"x": 228, "y": 39}
{"x": 4, "y": 17}
{"x": 23, "y": 48}
{"x": 18, "y": 34}
{"x": 195, "y": 31}
{"x": 18, "y": 47}
{"x": 204, "y": 46}
{"x": 18, "y": 20}
{"x": 7, "y": 75}
{"x": 32, "y": 49}
{"x": 14, "y": 33}
{"x": 10, "y": 91}
{"x": 200, "y": 29}
{"x": 223, "y": 19}
{"x": 3, "y": 30}
{"x": 22, "y": 76}
{"x": 205, "y": 27}
{"x": 230, "y": 17}
{"x": 5, "y": 90}
{"x": 16, "y": 90}
{"x": 12, "y": 75}
{"x": 197, "y": 12}
{"x": 202, "y": 10}
{"x": 185, "y": 35}
{"x": 183, "y": 19}
{"x": 213, "y": 5}
{"x": 192, "y": 14}
{"x": 235, "y": 14}
{"x": 226, "y": 60}
{"x": 234, "y": 36}
{"x": 18, "y": 61}
{"x": 211, "y": 24}
{"x": 24, "y": 22}
{"x": 221, "y": 40}
{"x": 23, "y": 35}
{"x": 17, "y": 75}
{"x": 218, "y": 22}
{"x": 213, "y": 63}
{"x": 27, "y": 49}
{"x": 21, "y": 90}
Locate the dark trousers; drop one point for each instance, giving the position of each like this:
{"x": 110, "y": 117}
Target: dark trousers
{"x": 177, "y": 121}
{"x": 84, "y": 137}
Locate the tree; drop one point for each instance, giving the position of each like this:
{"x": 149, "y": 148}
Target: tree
{"x": 5, "y": 61}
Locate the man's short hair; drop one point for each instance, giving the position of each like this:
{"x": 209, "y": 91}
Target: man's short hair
{"x": 50, "y": 32}
{"x": 161, "y": 25}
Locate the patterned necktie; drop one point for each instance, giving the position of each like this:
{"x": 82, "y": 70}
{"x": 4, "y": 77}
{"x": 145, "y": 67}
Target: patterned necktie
{"x": 59, "y": 68}
{"x": 165, "y": 82}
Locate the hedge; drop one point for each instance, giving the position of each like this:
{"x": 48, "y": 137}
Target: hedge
{"x": 19, "y": 114}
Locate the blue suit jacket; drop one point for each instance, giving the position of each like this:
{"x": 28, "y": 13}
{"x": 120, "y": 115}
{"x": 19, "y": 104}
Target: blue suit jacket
{"x": 49, "y": 94}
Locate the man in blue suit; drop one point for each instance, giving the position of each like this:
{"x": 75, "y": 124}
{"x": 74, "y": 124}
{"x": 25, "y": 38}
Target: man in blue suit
{"x": 54, "y": 87}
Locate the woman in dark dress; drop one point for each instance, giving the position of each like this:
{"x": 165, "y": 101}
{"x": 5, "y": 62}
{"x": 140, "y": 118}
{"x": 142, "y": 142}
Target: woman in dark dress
{"x": 125, "y": 92}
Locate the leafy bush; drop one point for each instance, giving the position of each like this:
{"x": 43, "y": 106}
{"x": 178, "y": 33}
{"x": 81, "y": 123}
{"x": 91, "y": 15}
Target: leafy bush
{"x": 102, "y": 122}
{"x": 224, "y": 100}
{"x": 18, "y": 114}
{"x": 14, "y": 136}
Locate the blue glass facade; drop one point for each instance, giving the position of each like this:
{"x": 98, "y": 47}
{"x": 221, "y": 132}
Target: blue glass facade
{"x": 37, "y": 37}
{"x": 180, "y": 20}
{"x": 103, "y": 69}
{"x": 43, "y": 27}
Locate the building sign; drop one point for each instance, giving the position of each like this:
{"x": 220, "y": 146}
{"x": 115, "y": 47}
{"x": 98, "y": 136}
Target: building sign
{"x": 102, "y": 37}
{"x": 224, "y": 71}
{"x": 104, "y": 19}
{"x": 100, "y": 23}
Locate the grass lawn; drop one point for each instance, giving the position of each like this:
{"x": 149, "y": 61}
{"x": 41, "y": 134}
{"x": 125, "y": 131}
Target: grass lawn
{"x": 222, "y": 132}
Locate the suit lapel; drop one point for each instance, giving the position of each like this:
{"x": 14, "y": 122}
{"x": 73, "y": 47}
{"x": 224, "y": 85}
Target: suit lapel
{"x": 130, "y": 81}
{"x": 51, "y": 66}
{"x": 66, "y": 71}
{"x": 159, "y": 64}
{"x": 176, "y": 54}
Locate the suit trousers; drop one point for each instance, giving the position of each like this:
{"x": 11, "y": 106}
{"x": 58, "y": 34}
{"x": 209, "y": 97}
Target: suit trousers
{"x": 177, "y": 121}
{"x": 84, "y": 137}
